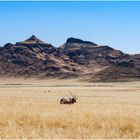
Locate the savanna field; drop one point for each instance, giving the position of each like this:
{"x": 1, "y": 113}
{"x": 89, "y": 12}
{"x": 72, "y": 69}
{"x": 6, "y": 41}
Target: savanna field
{"x": 31, "y": 109}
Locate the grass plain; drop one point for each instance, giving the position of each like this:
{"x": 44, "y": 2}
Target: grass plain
{"x": 31, "y": 109}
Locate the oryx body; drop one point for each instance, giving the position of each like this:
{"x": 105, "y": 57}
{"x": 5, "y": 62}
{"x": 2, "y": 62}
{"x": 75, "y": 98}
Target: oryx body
{"x": 68, "y": 101}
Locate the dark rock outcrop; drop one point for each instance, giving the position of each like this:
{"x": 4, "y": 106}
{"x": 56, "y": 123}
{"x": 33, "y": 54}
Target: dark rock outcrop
{"x": 75, "y": 40}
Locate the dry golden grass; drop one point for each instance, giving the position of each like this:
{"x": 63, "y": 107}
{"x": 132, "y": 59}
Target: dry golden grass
{"x": 29, "y": 110}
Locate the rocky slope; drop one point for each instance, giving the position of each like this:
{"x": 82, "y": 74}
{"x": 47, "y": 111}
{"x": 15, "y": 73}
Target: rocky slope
{"x": 75, "y": 58}
{"x": 122, "y": 71}
{"x": 90, "y": 54}
{"x": 33, "y": 58}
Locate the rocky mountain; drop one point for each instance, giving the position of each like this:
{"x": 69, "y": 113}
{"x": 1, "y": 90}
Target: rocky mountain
{"x": 90, "y": 54}
{"x": 75, "y": 58}
{"x": 34, "y": 58}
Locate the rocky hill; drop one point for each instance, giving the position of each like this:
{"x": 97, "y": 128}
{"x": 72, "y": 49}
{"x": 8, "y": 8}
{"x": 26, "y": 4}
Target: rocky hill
{"x": 122, "y": 71}
{"x": 34, "y": 58}
{"x": 75, "y": 58}
{"x": 90, "y": 54}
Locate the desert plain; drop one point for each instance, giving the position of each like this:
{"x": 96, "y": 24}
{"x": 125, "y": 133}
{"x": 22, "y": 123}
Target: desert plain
{"x": 31, "y": 109}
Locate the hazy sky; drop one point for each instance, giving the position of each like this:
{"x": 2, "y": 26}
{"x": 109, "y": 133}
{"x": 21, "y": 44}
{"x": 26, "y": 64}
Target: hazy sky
{"x": 116, "y": 24}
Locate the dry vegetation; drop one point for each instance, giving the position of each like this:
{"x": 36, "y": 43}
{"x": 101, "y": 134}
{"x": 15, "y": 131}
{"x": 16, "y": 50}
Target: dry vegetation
{"x": 31, "y": 109}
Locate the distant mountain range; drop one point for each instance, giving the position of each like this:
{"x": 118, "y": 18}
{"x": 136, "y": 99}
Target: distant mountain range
{"x": 76, "y": 58}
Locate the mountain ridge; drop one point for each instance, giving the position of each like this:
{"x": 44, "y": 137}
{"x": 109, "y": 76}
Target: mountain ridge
{"x": 75, "y": 58}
